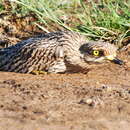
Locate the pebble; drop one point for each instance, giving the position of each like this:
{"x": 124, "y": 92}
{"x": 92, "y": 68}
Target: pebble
{"x": 89, "y": 101}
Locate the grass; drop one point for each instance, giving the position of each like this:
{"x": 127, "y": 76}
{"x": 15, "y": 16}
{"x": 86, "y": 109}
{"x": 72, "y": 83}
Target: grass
{"x": 105, "y": 20}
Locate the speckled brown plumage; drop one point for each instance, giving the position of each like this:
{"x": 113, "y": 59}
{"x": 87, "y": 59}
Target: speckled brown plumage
{"x": 53, "y": 52}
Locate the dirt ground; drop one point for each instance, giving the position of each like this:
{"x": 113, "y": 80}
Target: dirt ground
{"x": 99, "y": 100}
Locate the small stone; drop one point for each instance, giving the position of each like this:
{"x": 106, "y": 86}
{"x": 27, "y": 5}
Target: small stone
{"x": 10, "y": 82}
{"x": 24, "y": 107}
{"x": 89, "y": 101}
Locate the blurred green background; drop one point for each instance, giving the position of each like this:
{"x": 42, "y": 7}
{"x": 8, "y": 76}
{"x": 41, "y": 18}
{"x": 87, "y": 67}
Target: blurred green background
{"x": 107, "y": 20}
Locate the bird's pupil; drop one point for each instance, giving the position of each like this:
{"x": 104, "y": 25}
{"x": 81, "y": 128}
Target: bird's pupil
{"x": 96, "y": 53}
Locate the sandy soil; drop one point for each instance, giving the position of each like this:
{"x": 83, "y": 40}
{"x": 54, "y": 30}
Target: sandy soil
{"x": 99, "y": 100}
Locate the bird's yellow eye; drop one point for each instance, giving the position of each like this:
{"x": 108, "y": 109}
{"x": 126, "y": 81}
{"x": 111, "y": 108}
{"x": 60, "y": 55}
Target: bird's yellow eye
{"x": 96, "y": 53}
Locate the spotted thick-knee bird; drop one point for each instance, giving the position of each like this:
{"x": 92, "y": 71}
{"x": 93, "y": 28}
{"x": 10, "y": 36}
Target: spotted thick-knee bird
{"x": 56, "y": 52}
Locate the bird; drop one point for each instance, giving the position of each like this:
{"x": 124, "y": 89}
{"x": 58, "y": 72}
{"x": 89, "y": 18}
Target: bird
{"x": 56, "y": 52}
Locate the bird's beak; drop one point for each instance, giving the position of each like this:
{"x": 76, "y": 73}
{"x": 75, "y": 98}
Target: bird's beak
{"x": 118, "y": 61}
{"x": 115, "y": 60}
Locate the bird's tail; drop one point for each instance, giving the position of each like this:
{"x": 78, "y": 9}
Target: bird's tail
{"x": 3, "y": 52}
{"x": 3, "y": 56}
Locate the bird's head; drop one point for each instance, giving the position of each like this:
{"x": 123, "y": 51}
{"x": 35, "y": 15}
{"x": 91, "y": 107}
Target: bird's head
{"x": 99, "y": 52}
